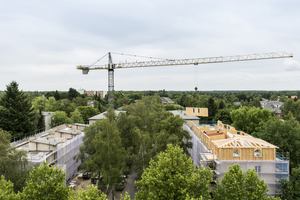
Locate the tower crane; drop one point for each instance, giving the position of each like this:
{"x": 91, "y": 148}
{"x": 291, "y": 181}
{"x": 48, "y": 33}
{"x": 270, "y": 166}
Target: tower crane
{"x": 168, "y": 62}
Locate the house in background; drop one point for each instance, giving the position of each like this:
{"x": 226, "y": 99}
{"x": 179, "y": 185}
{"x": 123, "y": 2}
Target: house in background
{"x": 273, "y": 106}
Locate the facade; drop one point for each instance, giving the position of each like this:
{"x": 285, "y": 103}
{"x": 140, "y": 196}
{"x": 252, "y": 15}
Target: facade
{"x": 221, "y": 145}
{"x": 200, "y": 112}
{"x": 57, "y": 147}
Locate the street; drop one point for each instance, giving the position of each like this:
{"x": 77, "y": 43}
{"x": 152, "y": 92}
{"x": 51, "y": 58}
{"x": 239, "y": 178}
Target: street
{"x": 129, "y": 187}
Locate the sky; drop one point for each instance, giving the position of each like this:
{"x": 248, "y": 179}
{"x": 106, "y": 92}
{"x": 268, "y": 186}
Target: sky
{"x": 42, "y": 42}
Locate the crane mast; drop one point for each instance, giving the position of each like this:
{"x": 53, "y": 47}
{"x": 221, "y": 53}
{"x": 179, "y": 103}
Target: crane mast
{"x": 169, "y": 62}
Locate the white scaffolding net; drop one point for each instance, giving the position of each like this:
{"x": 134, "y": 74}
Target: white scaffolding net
{"x": 66, "y": 153}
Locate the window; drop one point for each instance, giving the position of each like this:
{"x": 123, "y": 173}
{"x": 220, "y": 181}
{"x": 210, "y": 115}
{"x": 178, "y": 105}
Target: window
{"x": 238, "y": 133}
{"x": 236, "y": 153}
{"x": 198, "y": 110}
{"x": 193, "y": 110}
{"x": 258, "y": 169}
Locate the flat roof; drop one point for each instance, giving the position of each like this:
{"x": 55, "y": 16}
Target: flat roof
{"x": 68, "y": 131}
{"x": 183, "y": 115}
{"x": 51, "y": 142}
{"x": 102, "y": 115}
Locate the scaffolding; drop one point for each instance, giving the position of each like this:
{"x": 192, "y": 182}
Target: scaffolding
{"x": 65, "y": 155}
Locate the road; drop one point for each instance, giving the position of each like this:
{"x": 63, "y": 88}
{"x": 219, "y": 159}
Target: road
{"x": 129, "y": 187}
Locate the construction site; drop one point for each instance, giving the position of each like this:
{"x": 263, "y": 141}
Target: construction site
{"x": 220, "y": 146}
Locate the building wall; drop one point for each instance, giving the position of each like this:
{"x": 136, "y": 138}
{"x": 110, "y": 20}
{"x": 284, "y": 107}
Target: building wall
{"x": 201, "y": 112}
{"x": 33, "y": 146}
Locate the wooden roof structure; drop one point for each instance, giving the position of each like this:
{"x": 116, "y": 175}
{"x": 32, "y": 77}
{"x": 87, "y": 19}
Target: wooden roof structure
{"x": 243, "y": 142}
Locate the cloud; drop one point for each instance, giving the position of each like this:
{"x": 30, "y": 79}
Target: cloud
{"x": 291, "y": 65}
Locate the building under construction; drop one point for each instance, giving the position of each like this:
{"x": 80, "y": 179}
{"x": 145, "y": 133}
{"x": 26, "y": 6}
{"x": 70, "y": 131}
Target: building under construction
{"x": 219, "y": 146}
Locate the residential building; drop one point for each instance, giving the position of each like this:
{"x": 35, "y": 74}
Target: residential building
{"x": 219, "y": 146}
{"x": 272, "y": 106}
{"x": 102, "y": 116}
{"x": 57, "y": 146}
{"x": 200, "y": 112}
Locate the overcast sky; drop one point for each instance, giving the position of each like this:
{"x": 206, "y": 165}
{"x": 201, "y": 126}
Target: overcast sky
{"x": 42, "y": 42}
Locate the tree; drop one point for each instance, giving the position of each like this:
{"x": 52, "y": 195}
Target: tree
{"x": 16, "y": 113}
{"x": 87, "y": 112}
{"x": 236, "y": 185}
{"x": 79, "y": 101}
{"x": 73, "y": 93}
{"x": 285, "y": 135}
{"x": 59, "y": 117}
{"x": 66, "y": 105}
{"x": 56, "y": 95}
{"x": 49, "y": 94}
{"x": 107, "y": 154}
{"x": 76, "y": 117}
{"x": 212, "y": 108}
{"x": 291, "y": 188}
{"x": 92, "y": 193}
{"x": 6, "y": 190}
{"x": 40, "y": 104}
{"x": 46, "y": 183}
{"x": 224, "y": 116}
{"x": 13, "y": 163}
{"x": 221, "y": 105}
{"x": 173, "y": 176}
{"x": 250, "y": 119}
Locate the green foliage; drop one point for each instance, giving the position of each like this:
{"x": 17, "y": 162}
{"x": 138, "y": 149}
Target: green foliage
{"x": 59, "y": 117}
{"x": 92, "y": 193}
{"x": 48, "y": 94}
{"x": 173, "y": 176}
{"x": 76, "y": 117}
{"x": 87, "y": 112}
{"x": 79, "y": 101}
{"x": 16, "y": 112}
{"x": 224, "y": 116}
{"x": 13, "y": 163}
{"x": 46, "y": 183}
{"x": 73, "y": 93}
{"x": 56, "y": 95}
{"x": 172, "y": 107}
{"x": 40, "y": 103}
{"x": 291, "y": 188}
{"x": 106, "y": 154}
{"x": 236, "y": 185}
{"x": 285, "y": 135}
{"x": 212, "y": 108}
{"x": 6, "y": 190}
{"x": 126, "y": 197}
{"x": 291, "y": 106}
{"x": 250, "y": 119}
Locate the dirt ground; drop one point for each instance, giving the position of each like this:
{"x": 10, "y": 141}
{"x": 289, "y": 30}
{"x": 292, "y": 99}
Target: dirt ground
{"x": 80, "y": 182}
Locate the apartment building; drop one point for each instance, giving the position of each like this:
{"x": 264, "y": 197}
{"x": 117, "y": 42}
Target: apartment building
{"x": 219, "y": 146}
{"x": 56, "y": 146}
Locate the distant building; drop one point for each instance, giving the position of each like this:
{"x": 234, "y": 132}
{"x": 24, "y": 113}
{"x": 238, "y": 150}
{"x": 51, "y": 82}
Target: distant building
{"x": 237, "y": 103}
{"x": 184, "y": 116}
{"x": 92, "y": 93}
{"x": 200, "y": 112}
{"x": 102, "y": 116}
{"x": 272, "y": 106}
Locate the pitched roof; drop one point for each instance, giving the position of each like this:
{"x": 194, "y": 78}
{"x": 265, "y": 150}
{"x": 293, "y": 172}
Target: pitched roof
{"x": 243, "y": 141}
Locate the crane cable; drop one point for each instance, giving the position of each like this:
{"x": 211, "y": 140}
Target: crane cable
{"x": 124, "y": 54}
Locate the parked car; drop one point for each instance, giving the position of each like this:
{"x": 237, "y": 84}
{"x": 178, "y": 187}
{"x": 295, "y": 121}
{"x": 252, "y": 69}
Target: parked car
{"x": 121, "y": 184}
